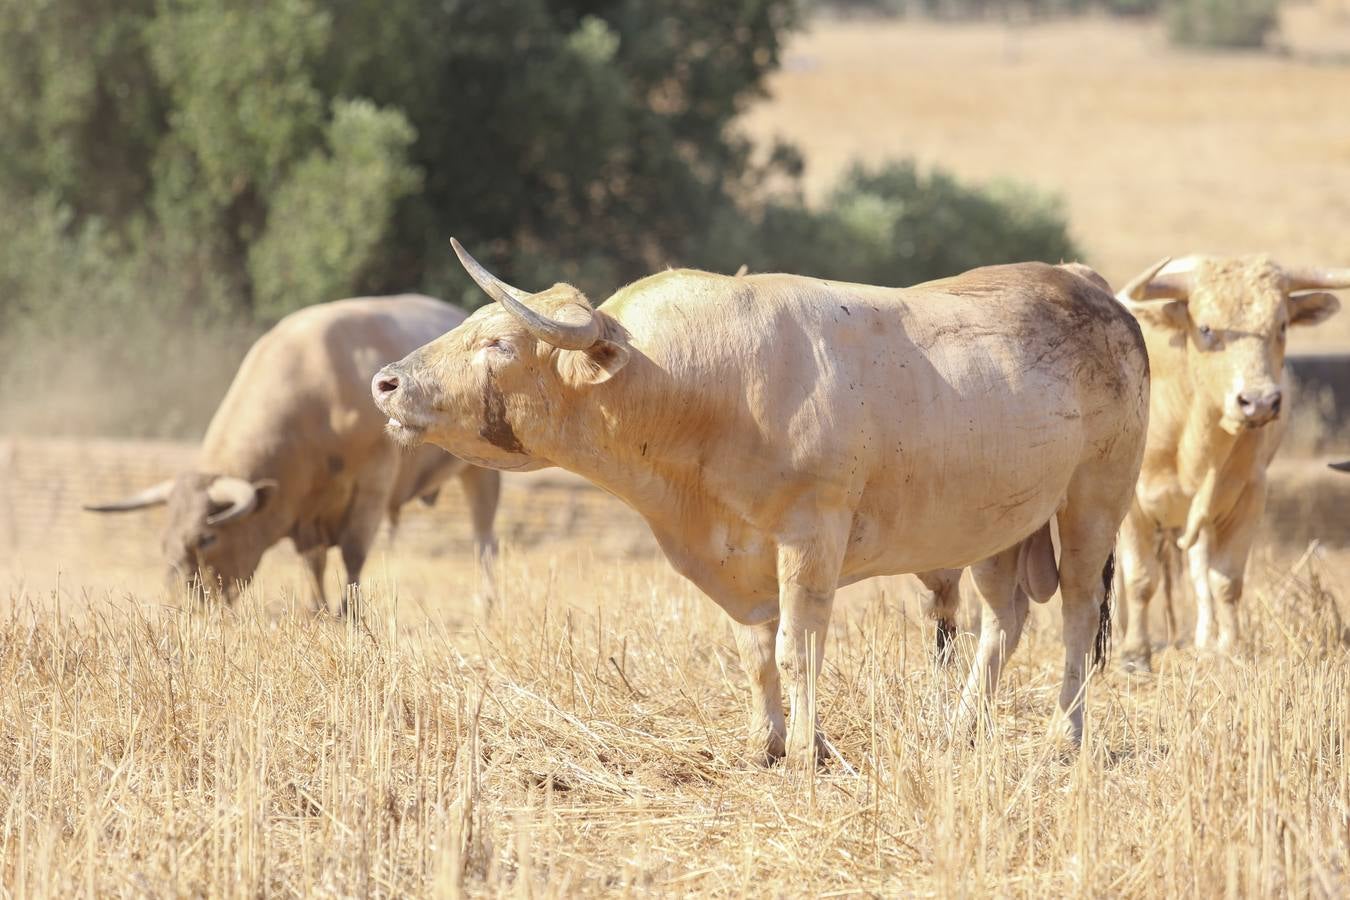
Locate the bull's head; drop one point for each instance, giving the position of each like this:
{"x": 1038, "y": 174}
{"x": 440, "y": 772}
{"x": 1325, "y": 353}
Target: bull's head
{"x": 1233, "y": 315}
{"x": 489, "y": 390}
{"x": 208, "y": 539}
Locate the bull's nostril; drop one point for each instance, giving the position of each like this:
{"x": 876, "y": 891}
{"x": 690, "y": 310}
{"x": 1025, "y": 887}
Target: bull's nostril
{"x": 1275, "y": 404}
{"x": 388, "y": 384}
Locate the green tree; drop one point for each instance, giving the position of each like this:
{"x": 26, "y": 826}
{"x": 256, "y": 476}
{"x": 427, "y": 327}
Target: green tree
{"x": 595, "y": 132}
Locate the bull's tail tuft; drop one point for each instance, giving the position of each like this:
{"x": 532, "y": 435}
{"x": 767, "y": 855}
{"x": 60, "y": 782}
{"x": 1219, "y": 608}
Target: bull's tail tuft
{"x": 1101, "y": 648}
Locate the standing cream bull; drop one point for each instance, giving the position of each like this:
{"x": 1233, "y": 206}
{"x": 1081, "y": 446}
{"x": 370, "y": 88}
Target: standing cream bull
{"x": 784, "y": 435}
{"x": 297, "y": 451}
{"x": 1215, "y": 329}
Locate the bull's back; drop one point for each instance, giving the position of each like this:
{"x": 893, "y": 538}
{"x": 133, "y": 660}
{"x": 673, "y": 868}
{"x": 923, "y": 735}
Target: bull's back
{"x": 299, "y": 408}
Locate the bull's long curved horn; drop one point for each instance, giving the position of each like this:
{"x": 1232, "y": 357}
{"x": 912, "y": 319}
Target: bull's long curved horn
{"x": 155, "y": 495}
{"x": 1316, "y": 279}
{"x": 580, "y": 334}
{"x": 240, "y": 498}
{"x": 1341, "y": 466}
{"x": 1149, "y": 285}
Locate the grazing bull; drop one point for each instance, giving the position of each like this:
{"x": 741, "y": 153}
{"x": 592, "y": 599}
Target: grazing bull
{"x": 1215, "y": 329}
{"x": 784, "y": 436}
{"x": 296, "y": 450}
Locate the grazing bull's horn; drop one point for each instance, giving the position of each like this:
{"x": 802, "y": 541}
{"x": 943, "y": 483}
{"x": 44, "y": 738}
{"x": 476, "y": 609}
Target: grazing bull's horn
{"x": 1149, "y": 285}
{"x": 578, "y": 331}
{"x": 155, "y": 495}
{"x": 1341, "y": 466}
{"x": 237, "y": 495}
{"x": 1316, "y": 279}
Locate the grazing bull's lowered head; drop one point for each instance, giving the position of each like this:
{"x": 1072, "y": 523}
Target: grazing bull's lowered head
{"x": 208, "y": 538}
{"x": 489, "y": 390}
{"x": 1233, "y": 313}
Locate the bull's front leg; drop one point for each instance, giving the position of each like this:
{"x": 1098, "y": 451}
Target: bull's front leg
{"x": 808, "y": 573}
{"x": 1197, "y": 564}
{"x": 768, "y": 730}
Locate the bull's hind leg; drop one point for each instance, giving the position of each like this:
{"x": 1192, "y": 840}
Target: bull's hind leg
{"x": 1097, "y": 502}
{"x": 940, "y": 603}
{"x": 1136, "y": 556}
{"x": 1003, "y": 613}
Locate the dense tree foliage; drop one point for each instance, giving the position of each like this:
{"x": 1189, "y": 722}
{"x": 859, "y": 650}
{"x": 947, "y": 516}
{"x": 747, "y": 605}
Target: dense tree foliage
{"x": 320, "y": 148}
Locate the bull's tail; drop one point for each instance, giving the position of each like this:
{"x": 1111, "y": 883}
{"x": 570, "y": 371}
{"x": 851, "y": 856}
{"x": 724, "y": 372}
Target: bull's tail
{"x": 1101, "y": 647}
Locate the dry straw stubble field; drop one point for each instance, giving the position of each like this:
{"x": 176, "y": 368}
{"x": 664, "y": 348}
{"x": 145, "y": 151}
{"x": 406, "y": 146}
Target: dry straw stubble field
{"x": 588, "y": 740}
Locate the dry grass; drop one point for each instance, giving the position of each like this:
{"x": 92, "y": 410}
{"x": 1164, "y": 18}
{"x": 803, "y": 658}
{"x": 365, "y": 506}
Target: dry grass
{"x": 1155, "y": 151}
{"x": 588, "y": 741}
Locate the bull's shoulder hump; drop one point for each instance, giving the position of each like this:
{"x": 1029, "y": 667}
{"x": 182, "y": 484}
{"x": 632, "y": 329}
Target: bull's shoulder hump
{"x": 680, "y": 286}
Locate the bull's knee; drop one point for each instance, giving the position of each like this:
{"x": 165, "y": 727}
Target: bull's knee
{"x": 1226, "y": 590}
{"x": 1139, "y": 586}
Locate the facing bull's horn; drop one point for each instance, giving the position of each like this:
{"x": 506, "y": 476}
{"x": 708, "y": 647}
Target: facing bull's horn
{"x": 1341, "y": 466}
{"x": 155, "y": 495}
{"x": 577, "y": 329}
{"x": 1316, "y": 279}
{"x": 1149, "y": 285}
{"x": 238, "y": 496}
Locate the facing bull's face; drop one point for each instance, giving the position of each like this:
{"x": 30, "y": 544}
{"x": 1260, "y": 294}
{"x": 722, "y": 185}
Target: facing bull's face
{"x": 1234, "y": 316}
{"x": 490, "y": 390}
{"x": 208, "y": 539}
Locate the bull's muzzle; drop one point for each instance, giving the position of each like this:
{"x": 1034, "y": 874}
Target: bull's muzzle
{"x": 1259, "y": 408}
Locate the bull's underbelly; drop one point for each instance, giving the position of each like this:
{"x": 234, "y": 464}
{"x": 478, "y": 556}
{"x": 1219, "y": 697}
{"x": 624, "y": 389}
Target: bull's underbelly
{"x": 899, "y": 524}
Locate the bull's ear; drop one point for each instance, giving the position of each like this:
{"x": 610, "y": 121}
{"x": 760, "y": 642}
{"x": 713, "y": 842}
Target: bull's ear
{"x": 1312, "y": 308}
{"x": 1162, "y": 313}
{"x": 595, "y": 365}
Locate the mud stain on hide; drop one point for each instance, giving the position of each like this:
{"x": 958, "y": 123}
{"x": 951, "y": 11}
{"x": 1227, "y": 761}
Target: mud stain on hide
{"x": 496, "y": 429}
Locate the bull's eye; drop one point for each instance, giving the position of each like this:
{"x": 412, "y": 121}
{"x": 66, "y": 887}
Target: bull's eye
{"x": 497, "y": 345}
{"x": 1284, "y": 328}
{"x": 1206, "y": 336}
{"x": 206, "y": 540}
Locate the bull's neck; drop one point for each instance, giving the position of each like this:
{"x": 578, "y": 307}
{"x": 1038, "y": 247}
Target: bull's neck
{"x": 634, "y": 439}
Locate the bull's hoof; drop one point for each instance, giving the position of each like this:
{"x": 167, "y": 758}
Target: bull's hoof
{"x": 766, "y": 752}
{"x": 1137, "y": 663}
{"x": 815, "y": 759}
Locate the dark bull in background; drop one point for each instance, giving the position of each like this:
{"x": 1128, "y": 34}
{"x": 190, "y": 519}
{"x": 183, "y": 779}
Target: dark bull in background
{"x": 1313, "y": 502}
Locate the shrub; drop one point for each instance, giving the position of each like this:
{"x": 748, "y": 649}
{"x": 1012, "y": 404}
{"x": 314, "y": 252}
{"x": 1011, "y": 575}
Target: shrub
{"x": 1222, "y": 23}
{"x": 896, "y": 225}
